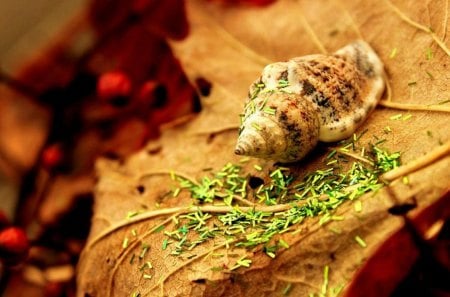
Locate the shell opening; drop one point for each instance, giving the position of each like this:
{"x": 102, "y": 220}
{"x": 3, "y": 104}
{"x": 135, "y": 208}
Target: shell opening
{"x": 239, "y": 150}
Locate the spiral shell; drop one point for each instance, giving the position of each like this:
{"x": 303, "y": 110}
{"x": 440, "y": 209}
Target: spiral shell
{"x": 297, "y": 103}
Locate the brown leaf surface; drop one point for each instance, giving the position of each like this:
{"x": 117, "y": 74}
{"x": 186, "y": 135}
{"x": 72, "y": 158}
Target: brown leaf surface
{"x": 228, "y": 46}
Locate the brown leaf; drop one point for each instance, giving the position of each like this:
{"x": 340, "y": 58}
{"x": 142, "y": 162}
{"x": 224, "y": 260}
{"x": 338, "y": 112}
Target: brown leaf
{"x": 228, "y": 47}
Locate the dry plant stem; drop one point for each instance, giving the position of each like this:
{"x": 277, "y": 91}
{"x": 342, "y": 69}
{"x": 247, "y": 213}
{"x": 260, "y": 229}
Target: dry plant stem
{"x": 204, "y": 208}
{"x": 180, "y": 210}
{"x": 138, "y": 218}
{"x": 189, "y": 209}
{"x": 388, "y": 88}
{"x": 417, "y": 164}
{"x": 243, "y": 201}
{"x": 407, "y": 106}
{"x": 421, "y": 27}
{"x": 445, "y": 21}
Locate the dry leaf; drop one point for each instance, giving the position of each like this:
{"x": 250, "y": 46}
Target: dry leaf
{"x": 228, "y": 46}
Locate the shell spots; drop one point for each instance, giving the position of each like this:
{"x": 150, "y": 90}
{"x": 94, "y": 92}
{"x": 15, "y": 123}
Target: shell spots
{"x": 297, "y": 103}
{"x": 283, "y": 75}
{"x": 308, "y": 88}
{"x": 362, "y": 62}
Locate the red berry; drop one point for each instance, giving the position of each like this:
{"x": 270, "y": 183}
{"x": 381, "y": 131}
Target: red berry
{"x": 146, "y": 93}
{"x": 52, "y": 156}
{"x": 112, "y": 85}
{"x": 14, "y": 245}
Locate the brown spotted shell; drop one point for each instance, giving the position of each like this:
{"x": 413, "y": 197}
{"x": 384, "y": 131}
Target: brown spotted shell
{"x": 297, "y": 103}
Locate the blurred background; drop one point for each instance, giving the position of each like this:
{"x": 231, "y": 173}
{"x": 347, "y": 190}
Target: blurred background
{"x": 25, "y": 28}
{"x": 79, "y": 80}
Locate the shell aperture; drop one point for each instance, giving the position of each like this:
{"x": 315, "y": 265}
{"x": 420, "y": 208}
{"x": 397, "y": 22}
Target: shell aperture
{"x": 297, "y": 103}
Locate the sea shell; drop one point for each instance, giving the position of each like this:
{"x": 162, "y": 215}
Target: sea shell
{"x": 297, "y": 103}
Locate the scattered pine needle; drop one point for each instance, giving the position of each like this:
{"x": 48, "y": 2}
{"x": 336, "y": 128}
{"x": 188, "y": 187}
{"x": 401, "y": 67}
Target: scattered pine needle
{"x": 168, "y": 172}
{"x": 355, "y": 156}
{"x": 163, "y": 279}
{"x": 122, "y": 256}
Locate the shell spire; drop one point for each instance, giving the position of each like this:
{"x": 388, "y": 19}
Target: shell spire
{"x": 268, "y": 132}
{"x": 297, "y": 103}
